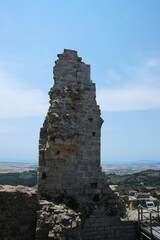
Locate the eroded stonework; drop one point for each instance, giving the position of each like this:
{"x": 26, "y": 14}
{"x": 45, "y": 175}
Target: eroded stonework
{"x": 69, "y": 146}
{"x": 18, "y": 206}
{"x": 79, "y": 204}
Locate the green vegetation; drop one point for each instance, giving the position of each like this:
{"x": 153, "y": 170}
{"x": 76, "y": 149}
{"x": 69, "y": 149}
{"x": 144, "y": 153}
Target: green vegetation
{"x": 28, "y": 178}
{"x": 145, "y": 181}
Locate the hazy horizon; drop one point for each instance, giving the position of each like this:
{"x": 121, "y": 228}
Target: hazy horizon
{"x": 104, "y": 163}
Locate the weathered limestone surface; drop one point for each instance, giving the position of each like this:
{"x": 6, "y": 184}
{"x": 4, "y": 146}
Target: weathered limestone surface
{"x": 69, "y": 163}
{"x": 18, "y": 206}
{"x": 57, "y": 222}
{"x": 91, "y": 222}
{"x": 69, "y": 146}
{"x": 82, "y": 205}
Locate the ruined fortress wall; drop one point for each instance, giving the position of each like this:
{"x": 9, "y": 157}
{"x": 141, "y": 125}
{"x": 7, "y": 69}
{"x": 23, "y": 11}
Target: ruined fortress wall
{"x": 62, "y": 223}
{"x": 100, "y": 226}
{"x": 69, "y": 161}
{"x": 20, "y": 220}
{"x": 69, "y": 167}
{"x": 18, "y": 206}
{"x": 69, "y": 146}
{"x": 18, "y": 213}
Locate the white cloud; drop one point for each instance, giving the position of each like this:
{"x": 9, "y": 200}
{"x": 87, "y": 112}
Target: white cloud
{"x": 16, "y": 100}
{"x": 131, "y": 88}
{"x": 129, "y": 98}
{"x": 153, "y": 62}
{"x": 138, "y": 88}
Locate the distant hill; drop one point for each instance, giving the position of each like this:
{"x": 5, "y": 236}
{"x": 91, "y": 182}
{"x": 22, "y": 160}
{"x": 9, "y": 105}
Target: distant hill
{"x": 141, "y": 181}
{"x": 130, "y": 168}
{"x": 146, "y": 162}
{"x": 142, "y": 161}
{"x": 27, "y": 178}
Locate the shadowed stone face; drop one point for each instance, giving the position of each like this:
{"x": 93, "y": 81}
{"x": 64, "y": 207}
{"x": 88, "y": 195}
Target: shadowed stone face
{"x": 69, "y": 146}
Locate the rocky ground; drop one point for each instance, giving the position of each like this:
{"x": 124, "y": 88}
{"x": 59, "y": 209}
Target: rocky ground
{"x": 131, "y": 215}
{"x": 19, "y": 188}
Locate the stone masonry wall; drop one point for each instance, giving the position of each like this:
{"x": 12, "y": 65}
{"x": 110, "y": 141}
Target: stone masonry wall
{"x": 18, "y": 214}
{"x": 69, "y": 146}
{"x": 60, "y": 222}
{"x": 82, "y": 206}
{"x": 99, "y": 226}
{"x": 18, "y": 206}
{"x": 69, "y": 163}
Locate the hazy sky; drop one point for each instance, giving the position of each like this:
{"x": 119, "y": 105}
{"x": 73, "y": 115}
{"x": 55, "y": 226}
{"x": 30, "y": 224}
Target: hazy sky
{"x": 120, "y": 39}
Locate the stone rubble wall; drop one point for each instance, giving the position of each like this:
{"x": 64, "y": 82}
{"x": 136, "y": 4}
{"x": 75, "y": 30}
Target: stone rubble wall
{"x": 18, "y": 206}
{"x": 59, "y": 222}
{"x": 23, "y": 217}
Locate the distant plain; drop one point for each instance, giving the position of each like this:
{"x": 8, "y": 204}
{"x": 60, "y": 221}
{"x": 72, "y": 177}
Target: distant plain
{"x": 12, "y": 167}
{"x": 116, "y": 168}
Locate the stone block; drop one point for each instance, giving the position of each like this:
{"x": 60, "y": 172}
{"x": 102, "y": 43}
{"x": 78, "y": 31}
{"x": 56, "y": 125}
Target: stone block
{"x": 59, "y": 141}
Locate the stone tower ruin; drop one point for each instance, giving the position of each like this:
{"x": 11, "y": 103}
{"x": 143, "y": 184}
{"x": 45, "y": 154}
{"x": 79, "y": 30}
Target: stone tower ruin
{"x": 69, "y": 163}
{"x": 69, "y": 145}
{"x": 74, "y": 201}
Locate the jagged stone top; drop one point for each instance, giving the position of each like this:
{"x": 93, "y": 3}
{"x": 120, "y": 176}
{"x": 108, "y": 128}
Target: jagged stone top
{"x": 69, "y": 54}
{"x": 69, "y": 69}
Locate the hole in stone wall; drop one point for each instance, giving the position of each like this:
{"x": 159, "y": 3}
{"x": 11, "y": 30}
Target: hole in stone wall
{"x": 90, "y": 119}
{"x": 93, "y": 134}
{"x": 57, "y": 152}
{"x": 94, "y": 185}
{"x": 44, "y": 175}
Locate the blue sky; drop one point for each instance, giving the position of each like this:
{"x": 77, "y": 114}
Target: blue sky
{"x": 121, "y": 42}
